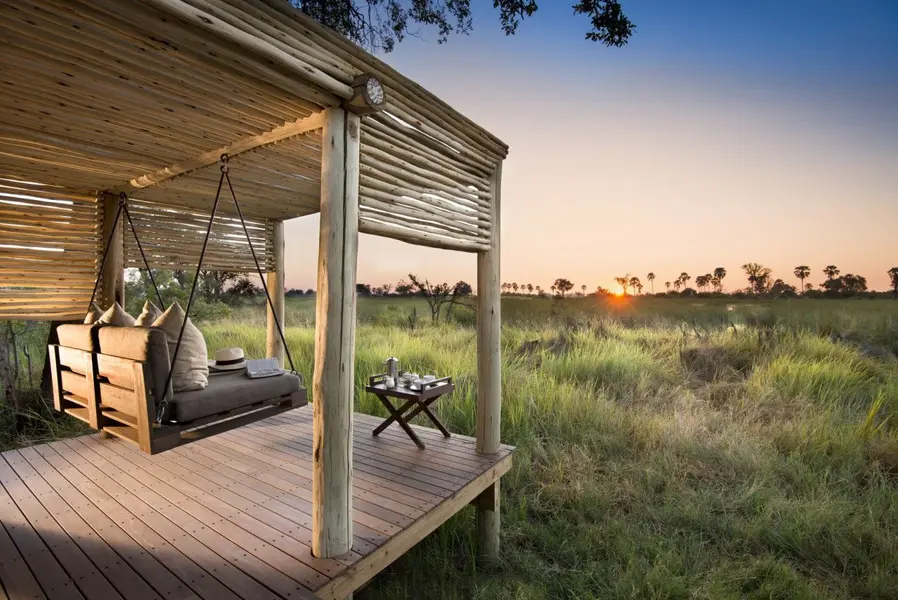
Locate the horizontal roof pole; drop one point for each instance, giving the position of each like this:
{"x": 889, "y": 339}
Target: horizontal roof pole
{"x": 278, "y": 134}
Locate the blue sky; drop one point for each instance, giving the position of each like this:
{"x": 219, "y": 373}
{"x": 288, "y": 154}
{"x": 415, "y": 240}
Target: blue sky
{"x": 724, "y": 133}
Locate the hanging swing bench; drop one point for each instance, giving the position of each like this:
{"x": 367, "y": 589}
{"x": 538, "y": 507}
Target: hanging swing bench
{"x": 119, "y": 379}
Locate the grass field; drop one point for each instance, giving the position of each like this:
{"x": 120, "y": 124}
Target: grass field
{"x": 667, "y": 448}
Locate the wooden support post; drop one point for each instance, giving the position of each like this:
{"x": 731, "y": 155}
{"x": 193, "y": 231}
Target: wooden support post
{"x": 274, "y": 347}
{"x": 113, "y": 275}
{"x": 333, "y": 388}
{"x": 489, "y": 369}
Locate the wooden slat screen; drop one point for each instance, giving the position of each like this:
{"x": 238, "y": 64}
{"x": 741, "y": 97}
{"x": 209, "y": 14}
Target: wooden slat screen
{"x": 172, "y": 238}
{"x": 49, "y": 252}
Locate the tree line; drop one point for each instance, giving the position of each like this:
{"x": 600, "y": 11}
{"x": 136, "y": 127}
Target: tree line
{"x": 759, "y": 278}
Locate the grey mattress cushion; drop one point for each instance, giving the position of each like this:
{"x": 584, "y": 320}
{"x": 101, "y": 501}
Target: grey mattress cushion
{"x": 229, "y": 391}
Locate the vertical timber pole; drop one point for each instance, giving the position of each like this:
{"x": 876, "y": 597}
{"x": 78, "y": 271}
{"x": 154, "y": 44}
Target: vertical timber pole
{"x": 113, "y": 275}
{"x": 274, "y": 347}
{"x": 333, "y": 388}
{"x": 489, "y": 374}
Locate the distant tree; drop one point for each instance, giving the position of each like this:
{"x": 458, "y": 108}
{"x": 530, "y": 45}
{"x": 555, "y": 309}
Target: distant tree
{"x": 667, "y": 285}
{"x": 553, "y": 289}
{"x": 651, "y": 278}
{"x": 403, "y": 289}
{"x": 310, "y": 292}
{"x": 539, "y": 290}
{"x": 583, "y": 289}
{"x": 387, "y": 288}
{"x": 636, "y": 285}
{"x": 244, "y": 287}
{"x": 434, "y": 294}
{"x": 213, "y": 283}
{"x": 802, "y": 272}
{"x": 854, "y": 284}
{"x": 684, "y": 278}
{"x": 893, "y": 275}
{"x": 600, "y": 291}
{"x": 623, "y": 282}
{"x": 831, "y": 271}
{"x": 363, "y": 289}
{"x": 677, "y": 284}
{"x": 514, "y": 287}
{"x": 460, "y": 290}
{"x": 529, "y": 288}
{"x": 781, "y": 288}
{"x": 563, "y": 285}
{"x": 719, "y": 274}
{"x": 758, "y": 277}
{"x": 701, "y": 282}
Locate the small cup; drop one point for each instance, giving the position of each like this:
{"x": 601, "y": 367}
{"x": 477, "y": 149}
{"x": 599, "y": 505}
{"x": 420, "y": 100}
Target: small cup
{"x": 389, "y": 382}
{"x": 429, "y": 378}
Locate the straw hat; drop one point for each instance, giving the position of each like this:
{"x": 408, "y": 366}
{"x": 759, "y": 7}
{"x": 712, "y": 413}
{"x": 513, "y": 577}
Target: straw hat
{"x": 229, "y": 359}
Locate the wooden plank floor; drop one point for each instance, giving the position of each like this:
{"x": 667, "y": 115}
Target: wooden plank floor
{"x": 223, "y": 518}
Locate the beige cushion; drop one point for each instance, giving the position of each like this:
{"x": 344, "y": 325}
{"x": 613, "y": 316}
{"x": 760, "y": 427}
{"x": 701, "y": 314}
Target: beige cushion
{"x": 93, "y": 314}
{"x": 76, "y": 336}
{"x": 191, "y": 368}
{"x": 149, "y": 345}
{"x": 117, "y": 316}
{"x": 148, "y": 316}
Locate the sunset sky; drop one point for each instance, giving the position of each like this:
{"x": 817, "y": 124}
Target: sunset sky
{"x": 724, "y": 133}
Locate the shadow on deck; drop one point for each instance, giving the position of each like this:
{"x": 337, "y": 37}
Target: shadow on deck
{"x": 225, "y": 517}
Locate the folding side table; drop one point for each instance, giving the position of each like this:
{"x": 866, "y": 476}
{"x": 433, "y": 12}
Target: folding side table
{"x": 415, "y": 402}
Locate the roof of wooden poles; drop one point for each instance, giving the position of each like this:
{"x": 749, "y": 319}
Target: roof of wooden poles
{"x": 143, "y": 96}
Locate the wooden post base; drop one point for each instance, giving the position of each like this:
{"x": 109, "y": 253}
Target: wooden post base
{"x": 487, "y": 526}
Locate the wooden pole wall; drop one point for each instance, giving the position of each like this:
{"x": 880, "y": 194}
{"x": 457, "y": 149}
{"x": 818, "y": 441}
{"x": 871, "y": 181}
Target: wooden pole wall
{"x": 489, "y": 372}
{"x": 333, "y": 387}
{"x": 274, "y": 347}
{"x": 113, "y": 275}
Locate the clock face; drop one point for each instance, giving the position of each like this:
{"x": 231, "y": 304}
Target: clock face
{"x": 375, "y": 91}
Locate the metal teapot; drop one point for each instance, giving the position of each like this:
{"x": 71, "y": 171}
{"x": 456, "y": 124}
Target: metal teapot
{"x": 392, "y": 364}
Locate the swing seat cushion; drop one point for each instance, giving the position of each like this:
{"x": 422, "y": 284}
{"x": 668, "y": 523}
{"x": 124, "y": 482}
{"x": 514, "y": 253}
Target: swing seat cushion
{"x": 229, "y": 391}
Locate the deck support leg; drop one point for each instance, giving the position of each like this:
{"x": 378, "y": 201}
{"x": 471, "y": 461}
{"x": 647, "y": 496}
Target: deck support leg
{"x": 274, "y": 347}
{"x": 113, "y": 275}
{"x": 486, "y": 526}
{"x": 489, "y": 371}
{"x": 333, "y": 388}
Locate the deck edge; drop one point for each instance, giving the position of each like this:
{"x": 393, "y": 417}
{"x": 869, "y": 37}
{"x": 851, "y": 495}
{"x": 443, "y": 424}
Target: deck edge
{"x": 369, "y": 566}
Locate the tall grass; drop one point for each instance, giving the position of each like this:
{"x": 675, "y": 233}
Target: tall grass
{"x": 683, "y": 452}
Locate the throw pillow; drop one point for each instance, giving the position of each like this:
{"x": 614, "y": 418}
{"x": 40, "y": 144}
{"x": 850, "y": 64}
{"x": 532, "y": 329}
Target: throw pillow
{"x": 94, "y": 313}
{"x": 148, "y": 316}
{"x": 191, "y": 368}
{"x": 117, "y": 316}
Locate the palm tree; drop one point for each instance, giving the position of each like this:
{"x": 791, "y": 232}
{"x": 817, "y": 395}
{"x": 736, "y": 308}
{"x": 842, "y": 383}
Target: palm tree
{"x": 529, "y": 288}
{"x": 678, "y": 283}
{"x": 684, "y": 278}
{"x": 635, "y": 284}
{"x": 802, "y": 272}
{"x": 651, "y": 278}
{"x": 758, "y": 276}
{"x": 514, "y": 286}
{"x": 623, "y": 282}
{"x": 553, "y": 289}
{"x": 667, "y": 285}
{"x": 719, "y": 274}
{"x": 831, "y": 271}
{"x": 700, "y": 282}
{"x": 539, "y": 290}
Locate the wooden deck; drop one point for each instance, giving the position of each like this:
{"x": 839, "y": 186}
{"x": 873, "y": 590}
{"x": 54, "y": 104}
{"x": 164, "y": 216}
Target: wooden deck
{"x": 222, "y": 518}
